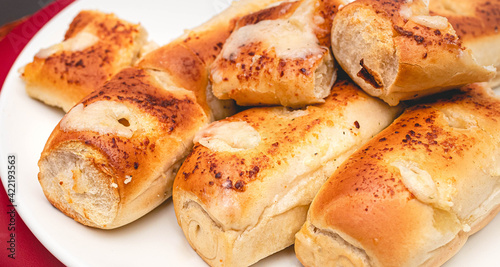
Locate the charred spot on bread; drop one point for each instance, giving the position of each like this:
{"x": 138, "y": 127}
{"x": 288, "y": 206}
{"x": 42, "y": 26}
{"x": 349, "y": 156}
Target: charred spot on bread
{"x": 368, "y": 76}
{"x": 402, "y": 31}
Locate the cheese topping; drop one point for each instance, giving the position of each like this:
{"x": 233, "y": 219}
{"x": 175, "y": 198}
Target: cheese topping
{"x": 420, "y": 183}
{"x": 228, "y": 136}
{"x": 433, "y": 22}
{"x": 128, "y": 179}
{"x": 103, "y": 117}
{"x": 292, "y": 114}
{"x": 405, "y": 12}
{"x": 290, "y": 38}
{"x": 79, "y": 42}
{"x": 414, "y": 8}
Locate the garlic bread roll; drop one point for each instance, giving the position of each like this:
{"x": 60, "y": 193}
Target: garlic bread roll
{"x": 95, "y": 47}
{"x": 243, "y": 192}
{"x": 278, "y": 56}
{"x": 113, "y": 156}
{"x": 396, "y": 51}
{"x": 413, "y": 194}
{"x": 476, "y": 23}
{"x": 186, "y": 59}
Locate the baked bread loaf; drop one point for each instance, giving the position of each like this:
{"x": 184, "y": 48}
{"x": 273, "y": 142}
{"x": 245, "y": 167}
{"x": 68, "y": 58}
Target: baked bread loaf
{"x": 476, "y": 23}
{"x": 96, "y": 46}
{"x": 243, "y": 192}
{"x": 186, "y": 60}
{"x": 278, "y": 56}
{"x": 113, "y": 157}
{"x": 395, "y": 51}
{"x": 413, "y": 194}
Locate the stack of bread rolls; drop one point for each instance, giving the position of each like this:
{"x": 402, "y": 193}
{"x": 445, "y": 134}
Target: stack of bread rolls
{"x": 245, "y": 189}
{"x": 409, "y": 195}
{"x": 114, "y": 155}
{"x": 229, "y": 212}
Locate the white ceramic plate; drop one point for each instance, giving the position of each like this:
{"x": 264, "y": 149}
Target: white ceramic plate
{"x": 156, "y": 239}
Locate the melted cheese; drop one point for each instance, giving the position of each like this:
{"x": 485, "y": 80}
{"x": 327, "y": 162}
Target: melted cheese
{"x": 79, "y": 42}
{"x": 405, "y": 12}
{"x": 420, "y": 183}
{"x": 291, "y": 38}
{"x": 286, "y": 38}
{"x": 291, "y": 114}
{"x": 414, "y": 8}
{"x": 228, "y": 136}
{"x": 102, "y": 117}
{"x": 433, "y": 22}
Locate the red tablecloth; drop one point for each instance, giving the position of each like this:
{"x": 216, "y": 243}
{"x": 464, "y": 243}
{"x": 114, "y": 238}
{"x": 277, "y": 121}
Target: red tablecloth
{"x": 28, "y": 250}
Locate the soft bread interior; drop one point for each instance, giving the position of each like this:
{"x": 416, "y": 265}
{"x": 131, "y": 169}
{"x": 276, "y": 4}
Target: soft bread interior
{"x": 77, "y": 180}
{"x": 75, "y": 183}
{"x": 325, "y": 76}
{"x": 371, "y": 56}
{"x": 220, "y": 108}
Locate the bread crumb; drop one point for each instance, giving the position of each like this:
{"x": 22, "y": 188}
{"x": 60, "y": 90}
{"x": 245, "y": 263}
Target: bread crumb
{"x": 466, "y": 228}
{"x": 128, "y": 178}
{"x": 114, "y": 185}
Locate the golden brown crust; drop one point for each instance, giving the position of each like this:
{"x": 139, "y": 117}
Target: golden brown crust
{"x": 186, "y": 59}
{"x": 82, "y": 19}
{"x": 65, "y": 77}
{"x": 133, "y": 163}
{"x": 206, "y": 40}
{"x": 184, "y": 68}
{"x": 219, "y": 172}
{"x": 207, "y": 45}
{"x": 373, "y": 204}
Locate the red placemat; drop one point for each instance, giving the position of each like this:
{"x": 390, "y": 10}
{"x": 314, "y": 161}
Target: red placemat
{"x": 19, "y": 247}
